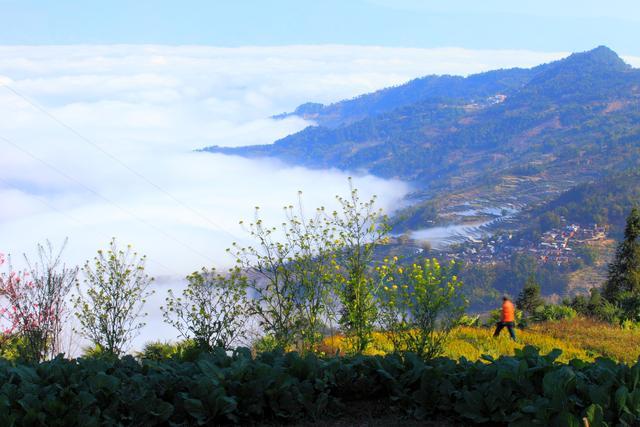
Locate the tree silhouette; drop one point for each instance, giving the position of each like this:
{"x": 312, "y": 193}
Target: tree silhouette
{"x": 529, "y": 298}
{"x": 624, "y": 271}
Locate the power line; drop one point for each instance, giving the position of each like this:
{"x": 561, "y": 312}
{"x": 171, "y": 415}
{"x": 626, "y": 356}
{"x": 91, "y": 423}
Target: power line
{"x": 107, "y": 200}
{"x": 44, "y": 202}
{"x": 117, "y": 160}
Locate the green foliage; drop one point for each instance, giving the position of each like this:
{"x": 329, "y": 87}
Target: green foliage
{"x": 480, "y": 285}
{"x": 629, "y": 305}
{"x": 362, "y": 228}
{"x": 110, "y": 306}
{"x": 220, "y": 389}
{"x": 420, "y": 305}
{"x": 608, "y": 312}
{"x": 512, "y": 277}
{"x": 415, "y": 217}
{"x": 604, "y": 202}
{"x": 623, "y": 283}
{"x": 293, "y": 269}
{"x": 13, "y": 348}
{"x": 265, "y": 344}
{"x": 596, "y": 307}
{"x": 159, "y": 350}
{"x": 484, "y": 284}
{"x": 466, "y": 320}
{"x": 588, "y": 254}
{"x": 550, "y": 220}
{"x": 96, "y": 351}
{"x": 187, "y": 350}
{"x": 212, "y": 310}
{"x": 553, "y": 312}
{"x": 314, "y": 271}
{"x": 529, "y": 299}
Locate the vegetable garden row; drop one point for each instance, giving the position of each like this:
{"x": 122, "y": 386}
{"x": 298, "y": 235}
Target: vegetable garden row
{"x": 216, "y": 388}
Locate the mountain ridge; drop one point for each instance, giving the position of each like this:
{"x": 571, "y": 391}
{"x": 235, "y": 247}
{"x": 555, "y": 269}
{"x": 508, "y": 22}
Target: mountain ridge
{"x": 437, "y": 83}
{"x": 570, "y": 121}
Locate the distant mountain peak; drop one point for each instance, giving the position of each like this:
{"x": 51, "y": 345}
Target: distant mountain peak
{"x": 592, "y": 72}
{"x": 601, "y": 58}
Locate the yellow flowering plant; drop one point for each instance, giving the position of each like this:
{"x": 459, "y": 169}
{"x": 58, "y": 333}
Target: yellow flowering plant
{"x": 419, "y": 305}
{"x": 293, "y": 267}
{"x": 362, "y": 227}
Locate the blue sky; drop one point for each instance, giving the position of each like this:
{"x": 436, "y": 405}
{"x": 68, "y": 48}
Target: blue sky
{"x": 542, "y": 25}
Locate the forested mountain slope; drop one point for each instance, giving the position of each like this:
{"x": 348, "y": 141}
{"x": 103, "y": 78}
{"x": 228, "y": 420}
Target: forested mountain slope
{"x": 556, "y": 125}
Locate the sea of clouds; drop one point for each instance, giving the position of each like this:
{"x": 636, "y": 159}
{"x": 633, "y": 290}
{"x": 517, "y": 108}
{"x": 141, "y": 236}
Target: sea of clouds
{"x": 98, "y": 142}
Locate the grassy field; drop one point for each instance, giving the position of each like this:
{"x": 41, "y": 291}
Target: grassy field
{"x": 577, "y": 338}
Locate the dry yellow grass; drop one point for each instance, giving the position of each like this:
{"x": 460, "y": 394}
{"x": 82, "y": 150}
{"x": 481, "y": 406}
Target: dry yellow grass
{"x": 599, "y": 338}
{"x": 577, "y": 338}
{"x": 472, "y": 343}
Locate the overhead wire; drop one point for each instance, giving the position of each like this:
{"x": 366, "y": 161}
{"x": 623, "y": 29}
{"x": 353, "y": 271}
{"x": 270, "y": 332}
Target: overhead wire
{"x": 123, "y": 164}
{"x": 105, "y": 199}
{"x": 50, "y": 206}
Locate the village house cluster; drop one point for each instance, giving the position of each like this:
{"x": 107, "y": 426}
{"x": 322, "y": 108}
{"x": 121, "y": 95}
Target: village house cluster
{"x": 557, "y": 246}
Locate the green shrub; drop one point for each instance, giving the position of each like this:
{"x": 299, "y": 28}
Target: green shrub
{"x": 12, "y": 348}
{"x": 596, "y": 307}
{"x": 466, "y": 320}
{"x": 109, "y": 308}
{"x": 529, "y": 298}
{"x": 264, "y": 344}
{"x": 608, "y": 312}
{"x": 630, "y": 325}
{"x": 212, "y": 309}
{"x": 158, "y": 350}
{"x": 553, "y": 312}
{"x": 96, "y": 351}
{"x": 629, "y": 305}
{"x": 419, "y": 305}
{"x": 187, "y": 350}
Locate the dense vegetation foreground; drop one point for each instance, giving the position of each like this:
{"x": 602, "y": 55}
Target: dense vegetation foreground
{"x": 213, "y": 388}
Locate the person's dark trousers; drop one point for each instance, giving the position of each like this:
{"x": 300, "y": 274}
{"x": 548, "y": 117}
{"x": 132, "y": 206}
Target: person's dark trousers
{"x": 511, "y": 326}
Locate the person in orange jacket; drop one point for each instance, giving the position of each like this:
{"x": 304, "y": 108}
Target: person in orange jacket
{"x": 507, "y": 318}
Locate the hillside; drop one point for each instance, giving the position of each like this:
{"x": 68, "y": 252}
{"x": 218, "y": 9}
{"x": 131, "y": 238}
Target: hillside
{"x": 557, "y": 143}
{"x": 508, "y": 134}
{"x": 605, "y": 201}
{"x": 475, "y": 88}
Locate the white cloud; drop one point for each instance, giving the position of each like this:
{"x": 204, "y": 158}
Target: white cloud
{"x": 150, "y": 107}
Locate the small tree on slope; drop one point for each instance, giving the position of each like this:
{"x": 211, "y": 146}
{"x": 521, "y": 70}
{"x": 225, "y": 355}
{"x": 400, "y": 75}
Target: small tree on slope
{"x": 623, "y": 282}
{"x": 33, "y": 304}
{"x": 529, "y": 298}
